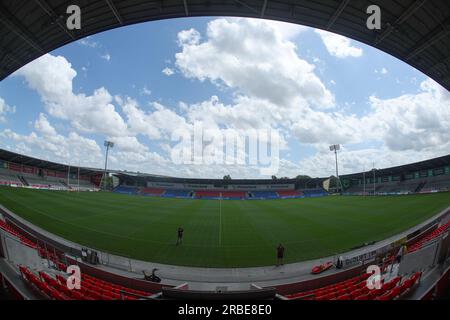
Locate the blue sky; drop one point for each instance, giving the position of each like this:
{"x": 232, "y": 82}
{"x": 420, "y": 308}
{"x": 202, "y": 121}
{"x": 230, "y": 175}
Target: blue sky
{"x": 139, "y": 84}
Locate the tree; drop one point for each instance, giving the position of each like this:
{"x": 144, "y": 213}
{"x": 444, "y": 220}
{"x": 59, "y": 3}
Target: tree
{"x": 274, "y": 178}
{"x": 227, "y": 177}
{"x": 301, "y": 177}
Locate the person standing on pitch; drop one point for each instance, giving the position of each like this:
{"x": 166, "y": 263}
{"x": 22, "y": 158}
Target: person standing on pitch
{"x": 180, "y": 235}
{"x": 280, "y": 254}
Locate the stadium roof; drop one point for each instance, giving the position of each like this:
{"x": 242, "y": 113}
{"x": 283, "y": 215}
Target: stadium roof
{"x": 44, "y": 164}
{"x": 162, "y": 179}
{"x": 415, "y": 31}
{"x": 412, "y": 167}
{"x": 9, "y": 156}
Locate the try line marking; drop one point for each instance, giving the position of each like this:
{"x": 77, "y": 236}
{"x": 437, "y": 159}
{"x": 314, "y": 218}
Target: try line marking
{"x": 220, "y": 221}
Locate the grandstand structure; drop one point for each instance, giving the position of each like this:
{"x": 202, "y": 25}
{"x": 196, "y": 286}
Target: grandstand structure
{"x": 420, "y": 177}
{"x": 33, "y": 261}
{"x": 235, "y": 189}
{"x": 21, "y": 171}
{"x": 33, "y": 265}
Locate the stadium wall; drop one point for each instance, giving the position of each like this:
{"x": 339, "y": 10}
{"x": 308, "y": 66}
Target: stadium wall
{"x": 438, "y": 288}
{"x": 237, "y": 187}
{"x": 321, "y": 281}
{"x": 365, "y": 256}
{"x": 39, "y": 236}
{"x": 118, "y": 279}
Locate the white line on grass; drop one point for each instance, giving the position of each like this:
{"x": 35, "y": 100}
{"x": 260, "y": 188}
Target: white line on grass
{"x": 220, "y": 221}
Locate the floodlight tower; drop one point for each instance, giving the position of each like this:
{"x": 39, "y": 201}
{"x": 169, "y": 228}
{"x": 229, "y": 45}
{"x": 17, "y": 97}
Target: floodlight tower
{"x": 364, "y": 181}
{"x": 373, "y": 169}
{"x": 108, "y": 145}
{"x": 374, "y": 179}
{"x": 336, "y": 148}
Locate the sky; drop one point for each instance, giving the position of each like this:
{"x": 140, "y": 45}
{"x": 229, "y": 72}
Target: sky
{"x": 140, "y": 86}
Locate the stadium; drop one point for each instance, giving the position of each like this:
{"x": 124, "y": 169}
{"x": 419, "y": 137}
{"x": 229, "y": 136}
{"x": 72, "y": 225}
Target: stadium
{"x": 53, "y": 212}
{"x": 378, "y": 234}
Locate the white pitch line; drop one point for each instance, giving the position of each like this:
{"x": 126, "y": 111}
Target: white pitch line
{"x": 220, "y": 221}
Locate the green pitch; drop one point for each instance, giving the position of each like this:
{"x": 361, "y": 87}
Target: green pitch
{"x": 220, "y": 233}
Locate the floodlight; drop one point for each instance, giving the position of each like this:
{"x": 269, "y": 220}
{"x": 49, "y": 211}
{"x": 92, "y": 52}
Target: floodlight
{"x": 107, "y": 144}
{"x": 336, "y": 148}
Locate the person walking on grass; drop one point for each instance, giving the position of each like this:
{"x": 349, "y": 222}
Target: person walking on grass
{"x": 180, "y": 236}
{"x": 280, "y": 255}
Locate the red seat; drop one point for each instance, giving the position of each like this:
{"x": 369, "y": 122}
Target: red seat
{"x": 395, "y": 292}
{"x": 364, "y": 276}
{"x": 364, "y": 290}
{"x": 384, "y": 297}
{"x": 344, "y": 297}
{"x": 341, "y": 292}
{"x": 356, "y": 293}
{"x": 416, "y": 276}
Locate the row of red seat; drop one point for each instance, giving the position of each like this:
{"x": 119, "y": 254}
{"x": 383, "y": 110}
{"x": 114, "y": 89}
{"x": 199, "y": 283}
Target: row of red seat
{"x": 112, "y": 291}
{"x": 9, "y": 183}
{"x": 101, "y": 289}
{"x": 48, "y": 289}
{"x": 436, "y": 233}
{"x": 109, "y": 286}
{"x": 234, "y": 194}
{"x": 27, "y": 241}
{"x": 207, "y": 193}
{"x": 356, "y": 289}
{"x": 5, "y": 226}
{"x": 400, "y": 289}
{"x": 152, "y": 191}
{"x": 352, "y": 283}
{"x": 90, "y": 289}
{"x": 96, "y": 289}
{"x": 289, "y": 193}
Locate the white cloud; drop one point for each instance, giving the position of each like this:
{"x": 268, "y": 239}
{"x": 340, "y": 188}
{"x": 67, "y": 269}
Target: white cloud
{"x": 43, "y": 126}
{"x": 88, "y": 42}
{"x": 128, "y": 144}
{"x": 146, "y": 91}
{"x": 5, "y": 109}
{"x": 47, "y": 144}
{"x": 410, "y": 122}
{"x": 106, "y": 56}
{"x": 168, "y": 71}
{"x": 321, "y": 164}
{"x": 188, "y": 37}
{"x": 272, "y": 87}
{"x": 413, "y": 121}
{"x": 382, "y": 71}
{"x": 52, "y": 76}
{"x": 158, "y": 124}
{"x": 339, "y": 46}
{"x": 252, "y": 57}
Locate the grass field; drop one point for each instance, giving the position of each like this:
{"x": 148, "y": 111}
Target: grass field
{"x": 220, "y": 233}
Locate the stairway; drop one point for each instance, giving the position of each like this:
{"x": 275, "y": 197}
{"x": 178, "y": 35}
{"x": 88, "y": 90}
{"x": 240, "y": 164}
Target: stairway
{"x": 420, "y": 187}
{"x": 23, "y": 180}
